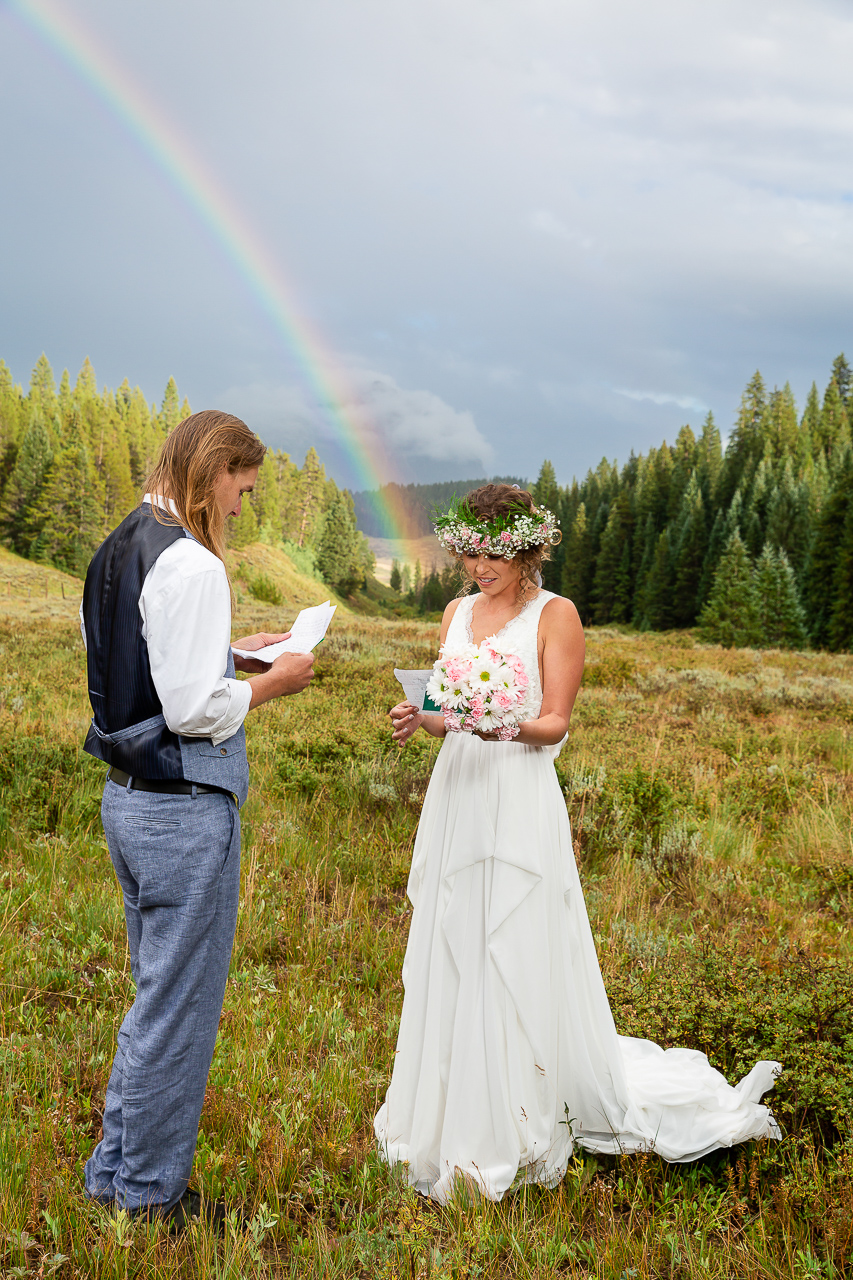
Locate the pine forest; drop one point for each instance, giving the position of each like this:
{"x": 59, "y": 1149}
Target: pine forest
{"x": 75, "y": 461}
{"x": 752, "y": 544}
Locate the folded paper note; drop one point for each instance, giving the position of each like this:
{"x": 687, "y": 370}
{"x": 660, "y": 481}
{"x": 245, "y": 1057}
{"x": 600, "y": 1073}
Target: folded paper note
{"x": 414, "y": 686}
{"x": 307, "y": 631}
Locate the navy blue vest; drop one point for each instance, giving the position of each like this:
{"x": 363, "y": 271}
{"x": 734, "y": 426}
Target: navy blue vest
{"x": 128, "y": 729}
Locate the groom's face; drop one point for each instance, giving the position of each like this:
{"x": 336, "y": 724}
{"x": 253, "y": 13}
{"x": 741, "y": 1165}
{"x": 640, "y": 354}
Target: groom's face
{"x": 230, "y": 488}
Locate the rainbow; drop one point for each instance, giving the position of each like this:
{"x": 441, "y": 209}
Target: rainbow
{"x": 158, "y": 137}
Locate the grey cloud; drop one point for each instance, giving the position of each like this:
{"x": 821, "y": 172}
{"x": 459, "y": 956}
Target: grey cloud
{"x": 420, "y": 423}
{"x": 514, "y": 209}
{"x": 664, "y": 397}
{"x": 402, "y": 424}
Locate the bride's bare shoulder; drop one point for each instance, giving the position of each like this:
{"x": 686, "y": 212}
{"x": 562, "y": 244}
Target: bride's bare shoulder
{"x": 560, "y": 615}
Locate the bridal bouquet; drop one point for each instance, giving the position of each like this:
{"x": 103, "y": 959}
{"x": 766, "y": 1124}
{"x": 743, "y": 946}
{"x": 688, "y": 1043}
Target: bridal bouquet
{"x": 480, "y": 688}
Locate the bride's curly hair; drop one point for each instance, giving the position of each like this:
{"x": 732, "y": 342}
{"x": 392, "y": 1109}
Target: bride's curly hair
{"x": 492, "y": 500}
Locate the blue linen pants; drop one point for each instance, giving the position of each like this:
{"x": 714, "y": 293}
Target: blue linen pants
{"x": 177, "y": 859}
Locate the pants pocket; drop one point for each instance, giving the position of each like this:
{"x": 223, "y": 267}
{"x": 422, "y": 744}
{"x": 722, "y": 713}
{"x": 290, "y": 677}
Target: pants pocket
{"x": 152, "y": 822}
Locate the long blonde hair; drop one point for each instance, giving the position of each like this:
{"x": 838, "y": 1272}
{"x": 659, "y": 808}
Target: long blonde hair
{"x": 192, "y": 459}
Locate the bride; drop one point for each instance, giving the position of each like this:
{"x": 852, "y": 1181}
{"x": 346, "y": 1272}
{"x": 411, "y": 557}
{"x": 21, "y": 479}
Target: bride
{"x": 507, "y": 1052}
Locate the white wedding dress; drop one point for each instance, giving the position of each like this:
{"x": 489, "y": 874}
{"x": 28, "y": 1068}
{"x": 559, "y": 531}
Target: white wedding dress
{"x": 507, "y": 1048}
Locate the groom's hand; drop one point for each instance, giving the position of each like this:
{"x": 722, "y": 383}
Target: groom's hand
{"x": 291, "y": 673}
{"x": 259, "y": 641}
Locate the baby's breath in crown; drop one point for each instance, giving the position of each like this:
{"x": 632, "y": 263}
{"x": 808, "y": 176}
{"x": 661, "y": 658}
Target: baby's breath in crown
{"x": 461, "y": 529}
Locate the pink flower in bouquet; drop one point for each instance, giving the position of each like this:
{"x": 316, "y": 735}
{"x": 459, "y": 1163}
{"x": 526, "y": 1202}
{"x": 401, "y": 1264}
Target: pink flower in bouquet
{"x": 476, "y": 540}
{"x": 506, "y": 536}
{"x": 480, "y": 687}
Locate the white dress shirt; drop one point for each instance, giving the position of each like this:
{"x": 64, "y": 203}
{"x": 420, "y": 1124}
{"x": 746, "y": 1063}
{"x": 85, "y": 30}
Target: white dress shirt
{"x": 185, "y": 606}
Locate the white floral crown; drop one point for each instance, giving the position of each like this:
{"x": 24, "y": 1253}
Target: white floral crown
{"x": 462, "y": 530}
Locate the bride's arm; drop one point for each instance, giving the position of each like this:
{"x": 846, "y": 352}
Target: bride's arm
{"x": 562, "y": 669}
{"x": 405, "y": 717}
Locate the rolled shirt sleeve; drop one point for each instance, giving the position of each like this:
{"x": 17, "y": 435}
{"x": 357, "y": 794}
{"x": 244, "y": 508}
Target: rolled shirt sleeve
{"x": 186, "y": 621}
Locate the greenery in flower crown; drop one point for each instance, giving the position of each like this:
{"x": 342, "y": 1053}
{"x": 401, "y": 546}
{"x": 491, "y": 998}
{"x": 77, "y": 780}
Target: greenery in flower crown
{"x": 461, "y": 529}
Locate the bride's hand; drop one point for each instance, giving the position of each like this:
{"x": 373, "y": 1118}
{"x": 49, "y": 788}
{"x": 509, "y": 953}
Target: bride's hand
{"x": 405, "y": 719}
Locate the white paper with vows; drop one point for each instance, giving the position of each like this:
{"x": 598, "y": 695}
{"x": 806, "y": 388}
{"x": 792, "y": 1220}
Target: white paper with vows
{"x": 307, "y": 631}
{"x": 414, "y": 685}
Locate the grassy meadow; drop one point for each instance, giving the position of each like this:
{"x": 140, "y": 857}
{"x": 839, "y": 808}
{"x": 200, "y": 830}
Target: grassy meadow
{"x": 712, "y": 806}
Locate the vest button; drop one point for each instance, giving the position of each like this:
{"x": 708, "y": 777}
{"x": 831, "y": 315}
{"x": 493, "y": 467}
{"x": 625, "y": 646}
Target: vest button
{"x": 223, "y": 751}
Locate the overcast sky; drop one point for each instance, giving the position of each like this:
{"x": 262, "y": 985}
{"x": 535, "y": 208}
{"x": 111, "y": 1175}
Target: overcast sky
{"x": 526, "y": 228}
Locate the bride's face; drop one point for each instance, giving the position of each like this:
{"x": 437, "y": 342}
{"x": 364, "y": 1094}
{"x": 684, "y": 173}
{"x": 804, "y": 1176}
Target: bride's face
{"x": 493, "y": 574}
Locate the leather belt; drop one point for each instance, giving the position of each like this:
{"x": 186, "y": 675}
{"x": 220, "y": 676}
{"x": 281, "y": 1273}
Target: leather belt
{"x": 167, "y": 786}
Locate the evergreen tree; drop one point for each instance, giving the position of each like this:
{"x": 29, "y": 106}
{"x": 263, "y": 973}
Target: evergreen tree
{"x": 756, "y": 506}
{"x": 432, "y": 595}
{"x": 782, "y": 430}
{"x": 396, "y": 580}
{"x": 833, "y": 430}
{"x": 658, "y": 484}
{"x": 709, "y": 461}
{"x": 612, "y": 584}
{"x": 339, "y": 555}
{"x": 43, "y": 387}
{"x": 725, "y": 524}
{"x": 810, "y": 425}
{"x": 86, "y": 386}
{"x": 24, "y": 487}
{"x": 312, "y": 484}
{"x": 577, "y": 564}
{"x": 113, "y": 471}
{"x": 788, "y": 519}
{"x": 840, "y": 629}
{"x": 243, "y": 530}
{"x": 65, "y": 392}
{"x": 781, "y": 617}
{"x": 405, "y": 580}
{"x": 658, "y": 596}
{"x": 746, "y": 443}
{"x": 842, "y": 376}
{"x": 645, "y": 545}
{"x": 820, "y": 581}
{"x": 691, "y": 547}
{"x": 170, "y": 410}
{"x": 731, "y": 616}
{"x": 684, "y": 459}
{"x": 266, "y": 501}
{"x": 68, "y": 511}
{"x": 11, "y": 414}
{"x": 546, "y": 493}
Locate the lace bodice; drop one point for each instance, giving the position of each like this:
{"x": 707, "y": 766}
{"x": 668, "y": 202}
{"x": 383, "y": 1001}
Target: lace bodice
{"x": 520, "y": 636}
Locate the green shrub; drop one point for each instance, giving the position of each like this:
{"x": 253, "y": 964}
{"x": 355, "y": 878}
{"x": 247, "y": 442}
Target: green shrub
{"x": 264, "y": 588}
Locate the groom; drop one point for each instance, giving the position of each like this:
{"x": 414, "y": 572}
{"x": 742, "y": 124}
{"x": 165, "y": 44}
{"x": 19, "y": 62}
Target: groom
{"x": 168, "y": 719}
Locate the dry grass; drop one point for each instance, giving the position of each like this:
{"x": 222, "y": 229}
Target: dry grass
{"x": 711, "y": 802}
